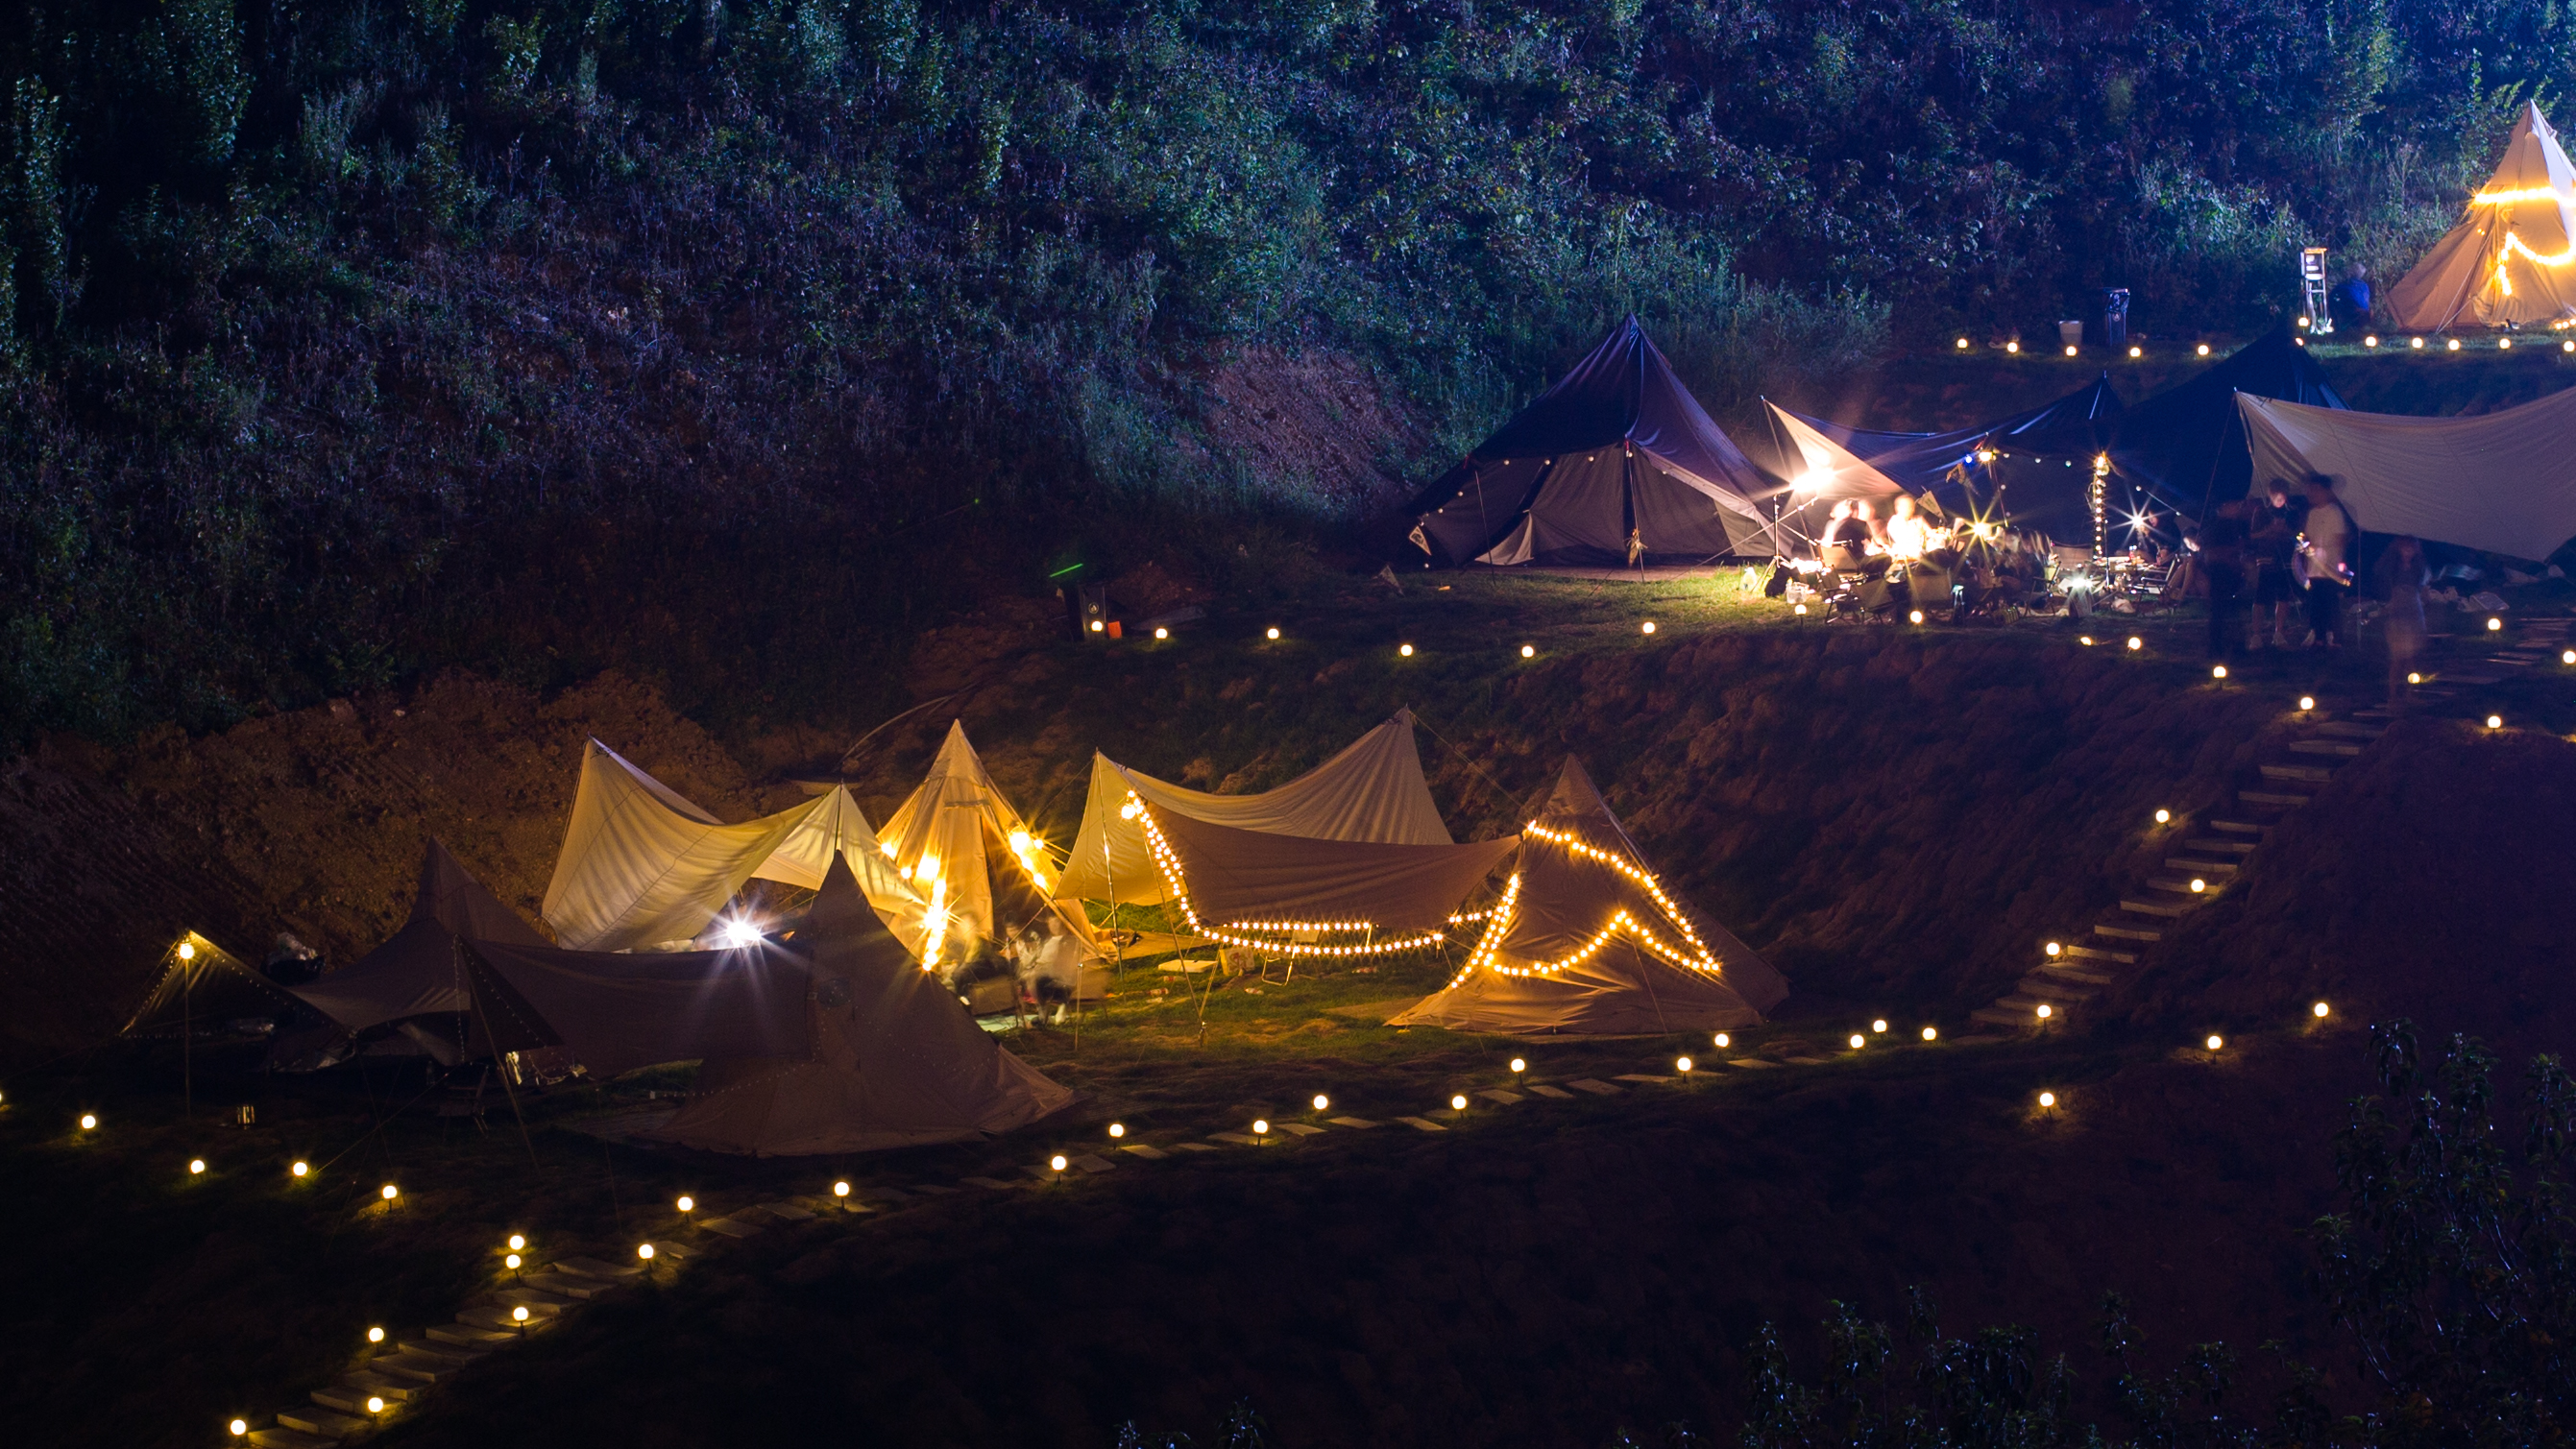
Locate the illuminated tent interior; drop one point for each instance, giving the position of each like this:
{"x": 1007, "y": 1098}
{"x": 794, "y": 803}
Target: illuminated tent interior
{"x": 1584, "y": 940}
{"x": 644, "y": 868}
{"x": 1819, "y": 473}
{"x": 415, "y": 974}
{"x": 1615, "y": 446}
{"x": 973, "y": 861}
{"x": 1372, "y": 791}
{"x": 2507, "y": 261}
{"x": 204, "y": 988}
{"x": 2502, "y": 482}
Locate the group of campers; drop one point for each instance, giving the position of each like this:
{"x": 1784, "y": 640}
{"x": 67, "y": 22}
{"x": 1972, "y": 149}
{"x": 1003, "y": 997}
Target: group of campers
{"x": 1928, "y": 562}
{"x": 830, "y": 977}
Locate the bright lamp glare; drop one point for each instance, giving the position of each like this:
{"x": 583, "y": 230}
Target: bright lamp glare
{"x": 1458, "y": 1102}
{"x": 739, "y": 934}
{"x": 187, "y": 952}
{"x": 688, "y": 1204}
{"x": 1529, "y": 651}
{"x": 2307, "y": 701}
{"x": 389, "y": 1192}
{"x": 196, "y": 1165}
{"x": 1681, "y": 1064}
{"x": 89, "y": 1121}
{"x": 518, "y": 1241}
{"x": 2215, "y": 1042}
{"x": 375, "y": 1335}
{"x": 1931, "y": 1033}
{"x": 2048, "y": 1099}
{"x": 1057, "y": 1162}
{"x": 1274, "y": 631}
{"x": 840, "y": 1189}
{"x": 1117, "y": 1129}
{"x": 1322, "y": 1102}
{"x": 1722, "y": 1040}
{"x": 644, "y": 1251}
{"x": 300, "y": 1169}
{"x": 2319, "y": 1009}
{"x": 1858, "y": 1041}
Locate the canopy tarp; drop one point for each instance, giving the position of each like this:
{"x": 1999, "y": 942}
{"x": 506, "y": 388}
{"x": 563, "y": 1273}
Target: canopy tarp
{"x": 954, "y": 840}
{"x": 1372, "y": 791}
{"x": 2507, "y": 262}
{"x": 643, "y": 867}
{"x": 1616, "y": 446}
{"x": 1819, "y": 473}
{"x": 1585, "y": 940}
{"x": 2183, "y": 448}
{"x": 203, "y": 986}
{"x": 614, "y": 1012}
{"x": 2503, "y": 482}
{"x": 893, "y": 1060}
{"x": 1248, "y": 879}
{"x": 1945, "y": 464}
{"x": 416, "y": 972}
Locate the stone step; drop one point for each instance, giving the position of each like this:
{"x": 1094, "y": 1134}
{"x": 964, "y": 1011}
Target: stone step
{"x": 2347, "y": 729}
{"x": 570, "y": 1285}
{"x": 2078, "y": 972}
{"x": 2239, "y": 827}
{"x": 283, "y": 1438}
{"x": 457, "y": 1355}
{"x": 2342, "y": 749}
{"x": 466, "y": 1334}
{"x": 2270, "y": 797}
{"x": 2029, "y": 1006}
{"x": 2119, "y": 932}
{"x": 2102, "y": 953}
{"x": 419, "y": 1368}
{"x": 2202, "y": 866}
{"x": 538, "y": 1302}
{"x": 2157, "y": 908}
{"x": 392, "y": 1390}
{"x": 2042, "y": 986}
{"x": 2303, "y": 774}
{"x": 731, "y": 1227}
{"x": 329, "y": 1423}
{"x": 594, "y": 1268}
{"x": 2182, "y": 887}
{"x": 1999, "y": 1016}
{"x": 2232, "y": 847}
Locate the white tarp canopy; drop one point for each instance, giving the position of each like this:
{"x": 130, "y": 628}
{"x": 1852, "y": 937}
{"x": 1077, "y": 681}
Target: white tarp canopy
{"x": 2509, "y": 259}
{"x": 1586, "y": 940}
{"x": 953, "y": 839}
{"x": 1819, "y": 473}
{"x": 1372, "y": 791}
{"x": 1272, "y": 891}
{"x": 641, "y": 866}
{"x": 2503, "y": 482}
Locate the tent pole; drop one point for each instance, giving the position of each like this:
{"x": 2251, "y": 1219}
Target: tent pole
{"x": 187, "y": 1031}
{"x": 495, "y": 1044}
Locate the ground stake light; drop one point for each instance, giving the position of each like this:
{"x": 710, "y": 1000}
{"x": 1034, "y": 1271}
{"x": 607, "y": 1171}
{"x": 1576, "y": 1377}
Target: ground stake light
{"x": 518, "y": 1241}
{"x": 1322, "y": 1102}
{"x": 1858, "y": 1041}
{"x": 2047, "y": 1100}
{"x": 1458, "y": 1103}
{"x": 1649, "y": 626}
{"x": 1931, "y": 1033}
{"x": 2046, "y": 1011}
{"x": 2495, "y": 721}
{"x": 1914, "y": 616}
{"x": 1117, "y": 1129}
{"x": 840, "y": 1189}
{"x": 2218, "y": 671}
{"x": 644, "y": 1251}
{"x": 1404, "y": 649}
{"x": 196, "y": 1165}
{"x": 2307, "y": 702}
{"x": 1880, "y": 1025}
{"x": 2318, "y": 1010}
{"x": 687, "y": 1204}
{"x": 2164, "y": 817}
{"x": 2137, "y": 643}
{"x": 1682, "y": 1065}
{"x": 1527, "y": 652}
{"x": 376, "y": 1402}
{"x": 1722, "y": 1040}
{"x": 1274, "y": 631}
{"x": 2201, "y": 351}
{"x": 375, "y": 1335}
{"x": 2494, "y": 624}
{"x": 2053, "y": 948}
{"x": 1056, "y": 1164}
{"x": 89, "y": 1121}
{"x": 389, "y": 1192}
{"x": 2215, "y": 1042}
{"x": 239, "y": 1427}
{"x": 300, "y": 1169}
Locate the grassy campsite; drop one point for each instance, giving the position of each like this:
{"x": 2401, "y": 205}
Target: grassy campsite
{"x": 1291, "y": 724}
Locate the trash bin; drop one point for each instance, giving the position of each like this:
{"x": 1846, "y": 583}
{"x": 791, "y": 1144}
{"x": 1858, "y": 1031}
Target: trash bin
{"x": 2070, "y": 334}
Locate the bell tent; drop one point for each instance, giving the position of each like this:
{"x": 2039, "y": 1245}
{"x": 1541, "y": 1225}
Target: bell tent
{"x": 2506, "y": 263}
{"x": 1372, "y": 791}
{"x": 2502, "y": 482}
{"x": 1616, "y": 449}
{"x": 1585, "y": 941}
{"x": 643, "y": 867}
{"x": 950, "y": 840}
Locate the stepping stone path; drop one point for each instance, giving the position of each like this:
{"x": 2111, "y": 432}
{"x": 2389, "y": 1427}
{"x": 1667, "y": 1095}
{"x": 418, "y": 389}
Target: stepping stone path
{"x": 1598, "y": 1089}
{"x": 1544, "y": 1090}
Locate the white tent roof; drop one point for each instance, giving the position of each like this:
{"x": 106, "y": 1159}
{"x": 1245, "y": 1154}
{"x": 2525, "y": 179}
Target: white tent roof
{"x": 641, "y": 866}
{"x": 1586, "y": 940}
{"x": 1820, "y": 473}
{"x": 950, "y": 837}
{"x": 2504, "y": 482}
{"x": 2509, "y": 259}
{"x": 1372, "y": 791}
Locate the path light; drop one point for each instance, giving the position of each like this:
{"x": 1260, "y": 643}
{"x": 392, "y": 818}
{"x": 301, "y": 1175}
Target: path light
{"x": 2198, "y": 885}
{"x": 2371, "y": 340}
{"x": 1529, "y": 652}
{"x": 2070, "y": 352}
{"x": 1404, "y": 649}
{"x": 1799, "y": 609}
{"x": 2415, "y": 342}
{"x": 644, "y": 1251}
{"x": 1914, "y": 616}
{"x": 1858, "y": 1041}
{"x": 1117, "y": 1129}
{"x": 2451, "y": 346}
{"x": 196, "y": 1165}
{"x": 2567, "y": 346}
{"x": 89, "y": 1121}
{"x": 2137, "y": 352}
{"x": 510, "y": 1261}
{"x": 1519, "y": 1065}
{"x": 2054, "y": 948}
{"x": 2137, "y": 643}
{"x": 2164, "y": 817}
{"x": 2567, "y": 656}
{"x": 1682, "y": 1065}
{"x": 1648, "y": 626}
{"x": 2495, "y": 721}
{"x": 2218, "y": 671}
{"x": 300, "y": 1168}
{"x": 1722, "y": 1040}
{"x": 519, "y": 1315}
{"x": 1056, "y": 1163}
{"x": 376, "y": 1402}
{"x": 1931, "y": 1033}
{"x": 375, "y": 1335}
{"x": 1963, "y": 344}
{"x": 2307, "y": 702}
{"x": 1273, "y": 631}
{"x": 1458, "y": 1102}
{"x": 2084, "y": 639}
{"x": 518, "y": 1241}
{"x": 2012, "y": 347}
{"x": 2046, "y": 1011}
{"x": 1161, "y": 633}
{"x": 2047, "y": 1100}
{"x": 239, "y": 1427}
{"x": 2201, "y": 351}
{"x": 1322, "y": 1102}
{"x": 2494, "y": 623}
{"x": 1097, "y": 626}
{"x": 687, "y": 1204}
{"x": 2318, "y": 1010}
{"x": 1260, "y": 1128}
{"x": 2215, "y": 1042}
{"x": 389, "y": 1192}
{"x": 1880, "y": 1025}
{"x": 2413, "y": 678}
{"x": 840, "y": 1189}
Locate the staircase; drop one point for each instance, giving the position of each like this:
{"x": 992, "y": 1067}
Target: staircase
{"x": 2203, "y": 860}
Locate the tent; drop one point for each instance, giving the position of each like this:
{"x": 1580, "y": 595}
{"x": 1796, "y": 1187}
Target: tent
{"x": 890, "y": 1059}
{"x": 416, "y": 973}
{"x": 204, "y": 988}
{"x": 2506, "y": 263}
{"x": 1820, "y": 473}
{"x": 2503, "y": 482}
{"x": 949, "y": 840}
{"x": 641, "y": 866}
{"x": 1615, "y": 447}
{"x": 1299, "y": 897}
{"x": 1586, "y": 941}
{"x": 1946, "y": 464}
{"x": 1372, "y": 791}
{"x": 2182, "y": 449}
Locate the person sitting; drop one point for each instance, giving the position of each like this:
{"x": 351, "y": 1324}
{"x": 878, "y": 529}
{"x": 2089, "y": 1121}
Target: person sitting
{"x": 1867, "y": 513}
{"x": 2348, "y": 305}
{"x": 1908, "y": 536}
{"x": 1842, "y": 530}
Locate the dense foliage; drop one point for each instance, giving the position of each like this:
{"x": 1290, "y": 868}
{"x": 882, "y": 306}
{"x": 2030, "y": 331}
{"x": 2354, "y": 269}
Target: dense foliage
{"x": 345, "y": 340}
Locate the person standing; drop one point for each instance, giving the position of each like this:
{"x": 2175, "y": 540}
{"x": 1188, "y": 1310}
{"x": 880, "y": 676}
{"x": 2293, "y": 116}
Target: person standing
{"x": 2329, "y": 535}
{"x": 2273, "y": 536}
{"x": 2403, "y": 576}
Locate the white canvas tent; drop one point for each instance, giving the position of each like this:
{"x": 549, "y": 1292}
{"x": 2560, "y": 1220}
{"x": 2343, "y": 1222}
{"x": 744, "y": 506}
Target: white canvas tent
{"x": 1372, "y": 791}
{"x": 2504, "y": 482}
{"x": 2508, "y": 261}
{"x": 641, "y": 866}
{"x": 1585, "y": 940}
{"x": 951, "y": 840}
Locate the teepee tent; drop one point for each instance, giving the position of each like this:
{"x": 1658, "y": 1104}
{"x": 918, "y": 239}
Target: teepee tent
{"x": 1616, "y": 448}
{"x": 203, "y": 987}
{"x": 1371, "y": 791}
{"x": 950, "y": 839}
{"x": 1586, "y": 941}
{"x": 642, "y": 866}
{"x": 890, "y": 1059}
{"x": 2502, "y": 482}
{"x": 2507, "y": 262}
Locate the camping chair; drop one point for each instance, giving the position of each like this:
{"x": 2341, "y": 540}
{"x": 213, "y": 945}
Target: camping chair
{"x": 467, "y": 1101}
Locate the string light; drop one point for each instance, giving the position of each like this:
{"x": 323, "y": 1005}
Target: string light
{"x": 2504, "y": 344}
{"x": 1175, "y": 878}
{"x": 2415, "y": 342}
{"x": 2451, "y": 346}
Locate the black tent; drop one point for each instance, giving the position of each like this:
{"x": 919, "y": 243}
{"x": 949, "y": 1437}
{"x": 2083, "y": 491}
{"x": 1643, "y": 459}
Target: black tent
{"x": 1615, "y": 447}
{"x": 2182, "y": 449}
{"x": 1945, "y": 464}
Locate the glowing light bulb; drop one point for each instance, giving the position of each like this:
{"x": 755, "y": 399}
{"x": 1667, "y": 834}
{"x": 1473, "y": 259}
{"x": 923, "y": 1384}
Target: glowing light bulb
{"x": 2201, "y": 351}
{"x": 2307, "y": 702}
{"x": 1914, "y": 616}
{"x": 1519, "y": 1065}
{"x": 1458, "y": 1102}
{"x": 2164, "y": 817}
{"x": 2494, "y": 624}
{"x": 1722, "y": 1040}
{"x": 2495, "y": 721}
{"x": 1404, "y": 649}
{"x": 2317, "y": 1010}
{"x": 2070, "y": 352}
{"x": 2013, "y": 347}
{"x": 1963, "y": 344}
{"x": 1097, "y": 626}
{"x": 2215, "y": 1042}
{"x": 2451, "y": 346}
{"x": 644, "y": 1251}
{"x": 2504, "y": 344}
{"x": 1117, "y": 1129}
{"x": 239, "y": 1427}
{"x": 2413, "y": 678}
{"x": 1020, "y": 842}
{"x": 739, "y": 934}
{"x": 187, "y": 951}
{"x": 2567, "y": 656}
{"x": 1931, "y": 1033}
{"x": 1057, "y": 1162}
{"x": 1529, "y": 651}
{"x": 2137, "y": 643}
{"x": 1648, "y": 626}
{"x": 2218, "y": 671}
{"x": 1858, "y": 1041}
{"x": 1162, "y": 633}
{"x": 1879, "y": 1025}
{"x": 2046, "y": 1011}
{"x": 687, "y": 1204}
{"x": 2137, "y": 352}
{"x": 376, "y": 1403}
{"x": 389, "y": 1192}
{"x": 1273, "y": 631}
{"x": 510, "y": 1261}
{"x": 1322, "y": 1102}
{"x": 2198, "y": 885}
{"x": 299, "y": 1169}
{"x": 2415, "y": 342}
{"x": 2084, "y": 639}
{"x": 519, "y": 1314}
{"x": 1798, "y": 609}
{"x": 2371, "y": 340}
{"x": 1260, "y": 1126}
{"x": 196, "y": 1165}
{"x": 2047, "y": 1099}
{"x": 1681, "y": 1064}
{"x": 375, "y": 1335}
{"x": 2054, "y": 948}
